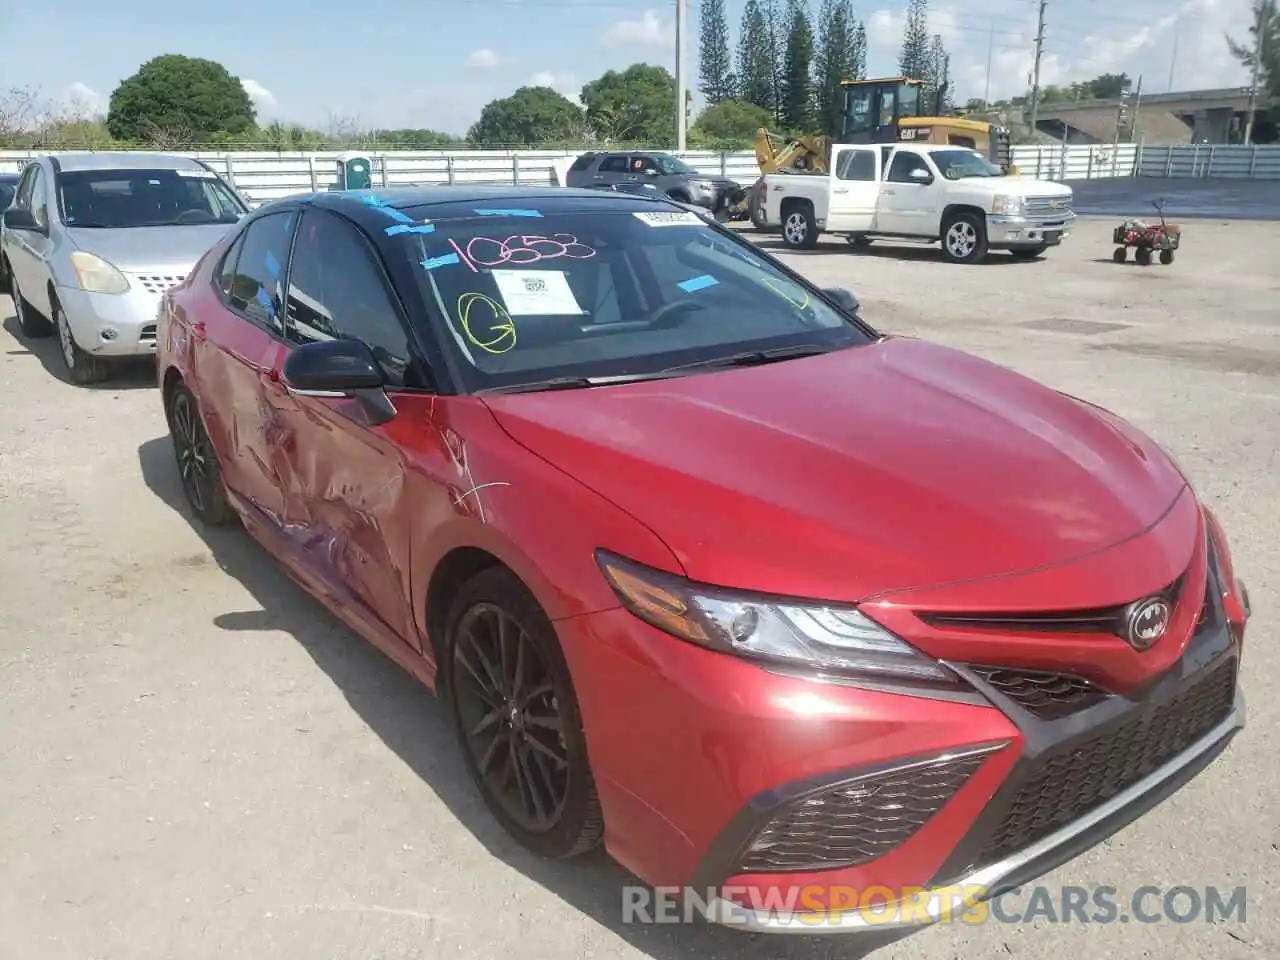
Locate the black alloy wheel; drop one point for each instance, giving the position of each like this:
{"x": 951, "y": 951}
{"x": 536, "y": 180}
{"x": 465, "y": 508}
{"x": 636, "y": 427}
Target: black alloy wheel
{"x": 197, "y": 463}
{"x": 517, "y": 717}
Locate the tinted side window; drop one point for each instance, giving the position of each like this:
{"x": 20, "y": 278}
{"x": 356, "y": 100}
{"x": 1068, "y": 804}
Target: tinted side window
{"x": 857, "y": 165}
{"x": 613, "y": 164}
{"x": 582, "y": 162}
{"x": 227, "y": 272}
{"x": 255, "y": 288}
{"x": 23, "y": 198}
{"x": 337, "y": 289}
{"x": 39, "y": 208}
{"x": 902, "y": 166}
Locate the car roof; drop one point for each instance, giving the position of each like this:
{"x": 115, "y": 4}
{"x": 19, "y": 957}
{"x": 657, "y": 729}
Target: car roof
{"x": 121, "y": 160}
{"x": 455, "y": 202}
{"x": 9, "y": 177}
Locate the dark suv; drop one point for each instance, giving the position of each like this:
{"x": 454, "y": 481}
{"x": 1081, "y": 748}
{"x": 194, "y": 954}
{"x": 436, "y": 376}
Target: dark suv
{"x": 649, "y": 172}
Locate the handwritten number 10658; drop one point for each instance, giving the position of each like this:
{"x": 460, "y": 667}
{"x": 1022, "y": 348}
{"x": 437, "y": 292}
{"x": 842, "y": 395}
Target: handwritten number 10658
{"x": 519, "y": 250}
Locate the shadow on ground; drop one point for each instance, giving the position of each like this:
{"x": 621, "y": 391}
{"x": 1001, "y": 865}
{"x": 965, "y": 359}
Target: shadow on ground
{"x": 411, "y": 722}
{"x": 880, "y": 249}
{"x": 131, "y": 374}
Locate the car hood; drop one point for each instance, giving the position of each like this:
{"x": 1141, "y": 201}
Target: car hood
{"x": 856, "y": 473}
{"x": 141, "y": 249}
{"x": 1028, "y": 187}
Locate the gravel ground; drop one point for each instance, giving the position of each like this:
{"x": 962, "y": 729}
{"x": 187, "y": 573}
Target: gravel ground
{"x": 199, "y": 762}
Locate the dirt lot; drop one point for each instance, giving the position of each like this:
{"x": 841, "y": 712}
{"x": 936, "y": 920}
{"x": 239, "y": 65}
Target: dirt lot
{"x": 198, "y": 762}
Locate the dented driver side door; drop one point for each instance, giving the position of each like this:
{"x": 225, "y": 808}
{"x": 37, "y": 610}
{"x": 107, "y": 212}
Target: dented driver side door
{"x": 345, "y": 480}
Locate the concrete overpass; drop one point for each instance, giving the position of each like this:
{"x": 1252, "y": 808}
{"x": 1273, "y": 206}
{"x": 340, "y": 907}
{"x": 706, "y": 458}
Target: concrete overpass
{"x": 1192, "y": 116}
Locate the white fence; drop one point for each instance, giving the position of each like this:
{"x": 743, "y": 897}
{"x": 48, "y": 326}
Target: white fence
{"x": 266, "y": 176}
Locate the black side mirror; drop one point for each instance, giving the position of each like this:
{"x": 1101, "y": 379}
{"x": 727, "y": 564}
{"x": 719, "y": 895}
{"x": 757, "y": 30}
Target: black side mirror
{"x": 339, "y": 368}
{"x": 845, "y": 298}
{"x": 16, "y": 219}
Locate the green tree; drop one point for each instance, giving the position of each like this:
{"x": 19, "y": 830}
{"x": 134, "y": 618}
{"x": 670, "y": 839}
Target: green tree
{"x": 177, "y": 100}
{"x": 532, "y": 116}
{"x": 715, "y": 66}
{"x": 1266, "y": 25}
{"x": 840, "y": 54}
{"x": 755, "y": 59}
{"x": 731, "y": 120}
{"x": 1107, "y": 86}
{"x": 796, "y": 107}
{"x": 937, "y": 78}
{"x": 914, "y": 61}
{"x": 635, "y": 105}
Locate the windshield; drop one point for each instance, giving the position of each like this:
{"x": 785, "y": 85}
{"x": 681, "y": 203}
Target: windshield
{"x": 628, "y": 292}
{"x": 114, "y": 199}
{"x": 669, "y": 165}
{"x": 959, "y": 164}
{"x": 6, "y": 194}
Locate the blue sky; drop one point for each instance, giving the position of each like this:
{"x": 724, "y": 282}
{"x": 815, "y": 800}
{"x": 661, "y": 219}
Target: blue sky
{"x": 428, "y": 63}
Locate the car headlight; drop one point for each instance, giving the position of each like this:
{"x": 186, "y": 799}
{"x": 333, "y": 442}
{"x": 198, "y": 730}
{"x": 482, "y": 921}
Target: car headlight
{"x": 834, "y": 640}
{"x": 95, "y": 275}
{"x": 1007, "y": 205}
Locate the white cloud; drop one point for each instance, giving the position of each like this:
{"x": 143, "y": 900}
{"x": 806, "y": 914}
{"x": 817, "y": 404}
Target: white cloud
{"x": 83, "y": 98}
{"x": 264, "y": 101}
{"x": 484, "y": 57}
{"x": 1079, "y": 44}
{"x": 648, "y": 31}
{"x": 566, "y": 84}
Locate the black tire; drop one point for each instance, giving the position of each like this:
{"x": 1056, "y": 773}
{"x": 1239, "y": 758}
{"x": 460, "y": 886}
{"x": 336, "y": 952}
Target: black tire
{"x": 799, "y": 228}
{"x": 1029, "y": 253}
{"x": 82, "y": 368}
{"x": 1166, "y": 257}
{"x": 1120, "y": 254}
{"x": 1143, "y": 256}
{"x": 4, "y": 275}
{"x": 534, "y": 717}
{"x": 964, "y": 238}
{"x": 31, "y": 324}
{"x": 754, "y": 211}
{"x": 198, "y": 469}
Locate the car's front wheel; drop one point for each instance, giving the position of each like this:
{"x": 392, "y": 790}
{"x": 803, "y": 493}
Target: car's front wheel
{"x": 197, "y": 464}
{"x": 82, "y": 368}
{"x": 517, "y": 717}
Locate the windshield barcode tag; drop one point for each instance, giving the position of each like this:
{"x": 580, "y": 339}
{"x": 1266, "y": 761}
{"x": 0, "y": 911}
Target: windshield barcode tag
{"x": 682, "y": 219}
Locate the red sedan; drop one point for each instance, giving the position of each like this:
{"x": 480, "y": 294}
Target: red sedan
{"x": 783, "y": 611}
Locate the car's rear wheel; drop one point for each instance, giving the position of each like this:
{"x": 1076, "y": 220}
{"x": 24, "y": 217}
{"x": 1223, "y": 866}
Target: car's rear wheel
{"x": 197, "y": 464}
{"x": 517, "y": 717}
{"x": 82, "y": 368}
{"x": 31, "y": 324}
{"x": 799, "y": 228}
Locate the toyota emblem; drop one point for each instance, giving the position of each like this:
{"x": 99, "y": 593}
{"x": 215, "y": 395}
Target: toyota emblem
{"x": 1147, "y": 622}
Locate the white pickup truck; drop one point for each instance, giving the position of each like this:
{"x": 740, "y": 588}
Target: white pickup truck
{"x": 923, "y": 193}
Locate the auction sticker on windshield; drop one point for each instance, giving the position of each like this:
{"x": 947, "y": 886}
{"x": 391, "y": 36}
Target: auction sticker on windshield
{"x": 536, "y": 293}
{"x": 198, "y": 174}
{"x": 663, "y": 219}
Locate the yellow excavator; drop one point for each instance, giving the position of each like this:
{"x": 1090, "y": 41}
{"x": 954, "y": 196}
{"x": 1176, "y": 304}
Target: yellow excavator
{"x": 882, "y": 110}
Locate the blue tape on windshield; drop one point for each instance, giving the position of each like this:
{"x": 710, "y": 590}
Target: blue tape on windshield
{"x": 273, "y": 265}
{"x": 698, "y": 283}
{"x": 373, "y": 200}
{"x": 264, "y": 298}
{"x": 436, "y": 262}
{"x": 405, "y": 228}
{"x": 509, "y": 213}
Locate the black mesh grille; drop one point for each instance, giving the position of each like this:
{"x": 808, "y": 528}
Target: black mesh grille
{"x": 1047, "y": 696}
{"x": 1070, "y": 785}
{"x": 857, "y": 821}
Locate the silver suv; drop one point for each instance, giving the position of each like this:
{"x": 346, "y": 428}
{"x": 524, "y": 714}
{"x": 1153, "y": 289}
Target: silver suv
{"x": 93, "y": 240}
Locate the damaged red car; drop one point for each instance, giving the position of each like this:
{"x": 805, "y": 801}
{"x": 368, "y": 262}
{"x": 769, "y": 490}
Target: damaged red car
{"x": 778, "y": 609}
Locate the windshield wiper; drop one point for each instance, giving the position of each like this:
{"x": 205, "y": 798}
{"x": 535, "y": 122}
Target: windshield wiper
{"x": 754, "y": 358}
{"x": 574, "y": 383}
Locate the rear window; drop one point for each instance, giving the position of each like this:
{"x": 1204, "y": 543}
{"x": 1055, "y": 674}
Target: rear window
{"x": 583, "y": 162}
{"x": 523, "y": 296}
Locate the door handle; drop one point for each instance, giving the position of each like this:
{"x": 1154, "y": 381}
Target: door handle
{"x": 839, "y": 189}
{"x": 890, "y": 193}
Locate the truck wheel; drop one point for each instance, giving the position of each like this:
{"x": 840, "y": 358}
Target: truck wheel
{"x": 964, "y": 238}
{"x": 799, "y": 229}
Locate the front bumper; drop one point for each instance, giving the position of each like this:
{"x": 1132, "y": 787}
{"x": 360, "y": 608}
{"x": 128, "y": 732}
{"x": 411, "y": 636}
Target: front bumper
{"x": 699, "y": 757}
{"x": 1005, "y": 232}
{"x": 722, "y": 197}
{"x": 116, "y": 325}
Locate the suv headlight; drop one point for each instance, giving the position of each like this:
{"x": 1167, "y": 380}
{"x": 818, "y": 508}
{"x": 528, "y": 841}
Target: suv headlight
{"x": 1007, "y": 205}
{"x": 835, "y": 640}
{"x": 95, "y": 275}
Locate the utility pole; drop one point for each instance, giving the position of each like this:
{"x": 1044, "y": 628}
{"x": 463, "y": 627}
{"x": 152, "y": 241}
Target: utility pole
{"x": 1173, "y": 58}
{"x": 991, "y": 49}
{"x": 1035, "y": 81}
{"x": 1260, "y": 32}
{"x": 682, "y": 116}
{"x": 1137, "y": 110}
